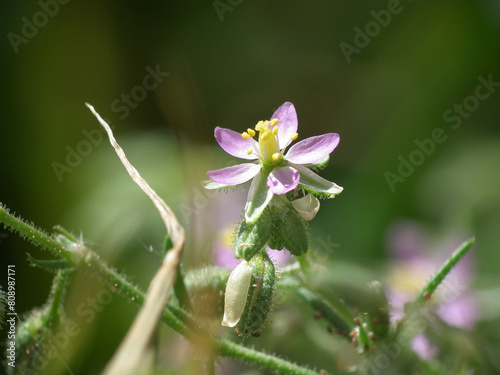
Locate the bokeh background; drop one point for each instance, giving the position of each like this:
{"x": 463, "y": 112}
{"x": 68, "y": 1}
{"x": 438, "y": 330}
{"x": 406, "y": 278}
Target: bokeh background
{"x": 230, "y": 64}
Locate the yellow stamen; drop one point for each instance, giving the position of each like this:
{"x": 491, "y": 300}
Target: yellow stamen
{"x": 274, "y": 121}
{"x": 245, "y": 135}
{"x": 294, "y": 137}
{"x": 268, "y": 144}
{"x": 249, "y": 151}
{"x": 251, "y": 132}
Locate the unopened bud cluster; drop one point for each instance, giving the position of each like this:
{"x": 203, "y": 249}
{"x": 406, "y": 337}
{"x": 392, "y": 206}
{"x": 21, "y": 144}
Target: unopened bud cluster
{"x": 250, "y": 288}
{"x": 249, "y": 295}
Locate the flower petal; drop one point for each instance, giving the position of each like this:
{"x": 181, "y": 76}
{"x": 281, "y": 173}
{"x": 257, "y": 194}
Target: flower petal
{"x": 234, "y": 144}
{"x": 316, "y": 184}
{"x": 282, "y": 180}
{"x": 287, "y": 124}
{"x": 235, "y": 175}
{"x": 313, "y": 150}
{"x": 259, "y": 197}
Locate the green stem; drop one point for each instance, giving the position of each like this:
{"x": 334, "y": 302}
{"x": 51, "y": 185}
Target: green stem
{"x": 230, "y": 349}
{"x": 340, "y": 319}
{"x": 35, "y": 235}
{"x": 129, "y": 290}
{"x": 57, "y": 295}
{"x": 84, "y": 256}
{"x": 434, "y": 282}
{"x": 431, "y": 286}
{"x": 119, "y": 283}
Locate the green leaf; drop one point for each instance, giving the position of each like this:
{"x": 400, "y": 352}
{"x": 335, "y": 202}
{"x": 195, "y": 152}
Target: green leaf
{"x": 259, "y": 196}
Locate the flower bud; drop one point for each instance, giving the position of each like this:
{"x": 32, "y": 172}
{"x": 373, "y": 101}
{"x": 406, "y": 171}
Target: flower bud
{"x": 259, "y": 298}
{"x": 236, "y": 294}
{"x": 205, "y": 287}
{"x": 307, "y": 206}
{"x": 252, "y": 238}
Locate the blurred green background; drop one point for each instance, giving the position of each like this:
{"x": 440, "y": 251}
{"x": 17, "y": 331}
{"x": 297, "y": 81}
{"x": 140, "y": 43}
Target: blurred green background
{"x": 230, "y": 64}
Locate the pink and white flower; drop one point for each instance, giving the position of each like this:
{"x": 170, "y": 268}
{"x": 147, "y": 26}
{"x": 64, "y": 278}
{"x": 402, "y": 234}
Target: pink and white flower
{"x": 274, "y": 171}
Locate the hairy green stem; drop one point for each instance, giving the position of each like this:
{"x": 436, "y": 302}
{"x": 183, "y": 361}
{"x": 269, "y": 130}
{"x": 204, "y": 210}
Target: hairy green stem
{"x": 338, "y": 318}
{"x": 434, "y": 282}
{"x": 131, "y": 291}
{"x": 431, "y": 286}
{"x": 230, "y": 349}
{"x": 34, "y": 235}
{"x": 84, "y": 257}
{"x": 57, "y": 295}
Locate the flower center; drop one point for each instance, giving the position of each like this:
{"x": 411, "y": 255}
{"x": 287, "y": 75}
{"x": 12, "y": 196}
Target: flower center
{"x": 268, "y": 141}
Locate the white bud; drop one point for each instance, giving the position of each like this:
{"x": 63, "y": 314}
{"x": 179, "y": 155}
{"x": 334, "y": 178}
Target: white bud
{"x": 307, "y": 206}
{"x": 236, "y": 294}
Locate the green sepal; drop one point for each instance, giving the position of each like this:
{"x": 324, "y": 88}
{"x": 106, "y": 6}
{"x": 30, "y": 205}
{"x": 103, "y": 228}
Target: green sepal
{"x": 259, "y": 196}
{"x": 291, "y": 231}
{"x": 315, "y": 184}
{"x": 49, "y": 265}
{"x": 206, "y": 287}
{"x": 251, "y": 238}
{"x": 260, "y": 296}
{"x": 274, "y": 242}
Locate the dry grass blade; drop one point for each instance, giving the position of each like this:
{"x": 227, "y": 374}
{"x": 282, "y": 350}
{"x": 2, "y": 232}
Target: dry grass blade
{"x": 130, "y": 356}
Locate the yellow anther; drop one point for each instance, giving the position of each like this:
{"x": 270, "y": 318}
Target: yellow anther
{"x": 245, "y": 135}
{"x": 274, "y": 121}
{"x": 294, "y": 137}
{"x": 251, "y": 132}
{"x": 263, "y": 136}
{"x": 249, "y": 151}
{"x": 275, "y": 130}
{"x": 276, "y": 156}
{"x": 259, "y": 125}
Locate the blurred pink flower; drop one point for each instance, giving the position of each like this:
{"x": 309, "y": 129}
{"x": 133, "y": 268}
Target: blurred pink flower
{"x": 415, "y": 258}
{"x": 423, "y": 347}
